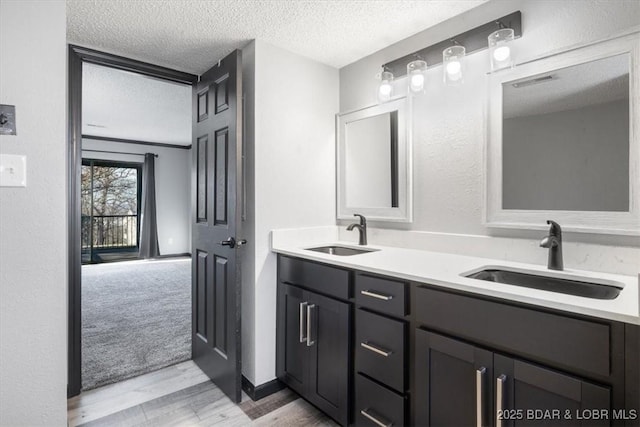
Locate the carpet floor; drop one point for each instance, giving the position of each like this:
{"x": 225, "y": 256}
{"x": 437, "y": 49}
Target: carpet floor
{"x": 136, "y": 318}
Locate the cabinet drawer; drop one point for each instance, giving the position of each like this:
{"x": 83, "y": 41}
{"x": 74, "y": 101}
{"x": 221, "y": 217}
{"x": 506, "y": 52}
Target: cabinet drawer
{"x": 550, "y": 338}
{"x": 377, "y": 406}
{"x": 380, "y": 348}
{"x": 318, "y": 277}
{"x": 384, "y": 295}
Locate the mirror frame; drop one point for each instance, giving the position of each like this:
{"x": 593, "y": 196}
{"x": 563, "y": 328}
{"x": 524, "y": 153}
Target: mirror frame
{"x": 600, "y": 222}
{"x": 404, "y": 211}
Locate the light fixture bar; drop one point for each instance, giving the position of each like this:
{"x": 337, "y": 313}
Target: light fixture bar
{"x": 473, "y": 40}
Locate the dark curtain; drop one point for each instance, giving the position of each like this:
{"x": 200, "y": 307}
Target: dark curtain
{"x": 148, "y": 221}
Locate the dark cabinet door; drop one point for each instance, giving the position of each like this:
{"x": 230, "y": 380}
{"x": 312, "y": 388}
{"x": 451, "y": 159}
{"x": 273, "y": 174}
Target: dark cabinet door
{"x": 293, "y": 360}
{"x": 530, "y": 395}
{"x": 452, "y": 382}
{"x": 313, "y": 349}
{"x": 329, "y": 360}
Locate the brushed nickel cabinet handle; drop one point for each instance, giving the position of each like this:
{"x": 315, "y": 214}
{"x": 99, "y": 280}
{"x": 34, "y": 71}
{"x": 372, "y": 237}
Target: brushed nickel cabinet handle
{"x": 375, "y": 349}
{"x": 303, "y": 321}
{"x": 366, "y": 413}
{"x": 373, "y": 294}
{"x": 500, "y": 398}
{"x": 479, "y": 395}
{"x": 310, "y": 342}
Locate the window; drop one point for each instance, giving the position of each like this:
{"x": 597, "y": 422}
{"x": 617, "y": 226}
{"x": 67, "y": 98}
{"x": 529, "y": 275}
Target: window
{"x": 110, "y": 203}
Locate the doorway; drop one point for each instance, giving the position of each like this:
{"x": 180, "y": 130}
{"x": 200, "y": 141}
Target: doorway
{"x": 135, "y": 182}
{"x": 215, "y": 210}
{"x": 110, "y": 290}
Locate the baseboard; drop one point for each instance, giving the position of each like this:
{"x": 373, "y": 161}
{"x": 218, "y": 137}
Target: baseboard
{"x": 263, "y": 390}
{"x": 174, "y": 255}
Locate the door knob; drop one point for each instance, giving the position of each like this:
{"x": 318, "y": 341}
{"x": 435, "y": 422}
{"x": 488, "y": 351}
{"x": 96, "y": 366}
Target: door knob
{"x": 232, "y": 243}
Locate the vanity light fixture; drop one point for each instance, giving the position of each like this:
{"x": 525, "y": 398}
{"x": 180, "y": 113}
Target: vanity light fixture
{"x": 416, "y": 72}
{"x": 508, "y": 27}
{"x": 501, "y": 48}
{"x": 385, "y": 88}
{"x": 452, "y": 65}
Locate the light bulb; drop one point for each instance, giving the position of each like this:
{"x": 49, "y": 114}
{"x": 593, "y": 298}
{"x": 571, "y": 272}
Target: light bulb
{"x": 416, "y": 76}
{"x": 453, "y": 68}
{"x": 385, "y": 89}
{"x": 417, "y": 82}
{"x": 452, "y": 58}
{"x": 502, "y": 53}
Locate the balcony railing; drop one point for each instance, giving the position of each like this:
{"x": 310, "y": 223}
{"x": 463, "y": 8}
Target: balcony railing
{"x": 109, "y": 231}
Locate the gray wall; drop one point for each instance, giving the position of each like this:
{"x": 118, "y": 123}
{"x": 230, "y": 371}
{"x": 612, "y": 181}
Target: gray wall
{"x": 449, "y": 122}
{"x": 173, "y": 189}
{"x": 574, "y": 160}
{"x": 33, "y": 224}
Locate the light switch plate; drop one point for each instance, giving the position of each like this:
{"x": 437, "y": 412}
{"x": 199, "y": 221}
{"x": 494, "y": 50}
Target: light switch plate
{"x": 13, "y": 170}
{"x": 7, "y": 119}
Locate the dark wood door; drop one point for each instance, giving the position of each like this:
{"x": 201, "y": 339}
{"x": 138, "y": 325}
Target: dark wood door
{"x": 216, "y": 177}
{"x": 532, "y": 395}
{"x": 329, "y": 361}
{"x": 452, "y": 381}
{"x": 293, "y": 360}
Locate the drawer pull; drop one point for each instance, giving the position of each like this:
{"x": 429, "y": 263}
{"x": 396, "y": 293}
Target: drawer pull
{"x": 303, "y": 320}
{"x": 310, "y": 341}
{"x": 479, "y": 394}
{"x": 377, "y": 295}
{"x": 500, "y": 398}
{"x": 376, "y": 419}
{"x": 376, "y": 349}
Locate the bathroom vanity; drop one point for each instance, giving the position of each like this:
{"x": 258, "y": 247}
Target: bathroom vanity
{"x": 396, "y": 336}
{"x": 401, "y": 337}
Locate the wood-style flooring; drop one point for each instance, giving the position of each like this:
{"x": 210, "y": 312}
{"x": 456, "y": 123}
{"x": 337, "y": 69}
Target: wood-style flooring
{"x": 182, "y": 395}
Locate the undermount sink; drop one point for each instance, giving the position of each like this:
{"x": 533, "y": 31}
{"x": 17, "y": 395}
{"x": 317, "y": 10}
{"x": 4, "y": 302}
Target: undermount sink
{"x": 340, "y": 250}
{"x": 575, "y": 285}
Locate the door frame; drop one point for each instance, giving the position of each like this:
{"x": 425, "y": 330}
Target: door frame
{"x": 77, "y": 55}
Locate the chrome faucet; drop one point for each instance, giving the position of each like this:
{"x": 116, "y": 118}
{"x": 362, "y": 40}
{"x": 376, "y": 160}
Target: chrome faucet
{"x": 362, "y": 228}
{"x": 554, "y": 242}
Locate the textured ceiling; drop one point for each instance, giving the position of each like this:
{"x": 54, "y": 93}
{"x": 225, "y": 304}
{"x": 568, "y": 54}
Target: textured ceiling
{"x": 192, "y": 35}
{"x": 595, "y": 82}
{"x": 120, "y": 104}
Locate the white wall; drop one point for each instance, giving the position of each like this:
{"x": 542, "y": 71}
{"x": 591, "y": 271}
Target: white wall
{"x": 295, "y": 103}
{"x": 173, "y": 188}
{"x": 33, "y": 225}
{"x": 448, "y": 123}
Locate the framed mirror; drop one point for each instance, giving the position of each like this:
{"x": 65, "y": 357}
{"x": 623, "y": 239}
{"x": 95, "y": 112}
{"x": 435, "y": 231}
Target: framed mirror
{"x": 374, "y": 163}
{"x": 562, "y": 141}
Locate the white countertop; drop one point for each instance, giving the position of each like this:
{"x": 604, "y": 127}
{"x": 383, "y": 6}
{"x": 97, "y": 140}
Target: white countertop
{"x": 442, "y": 269}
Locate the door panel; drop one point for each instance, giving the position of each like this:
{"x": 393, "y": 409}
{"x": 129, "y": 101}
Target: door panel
{"x": 201, "y": 297}
{"x": 537, "y": 392}
{"x": 220, "y": 311}
{"x": 293, "y": 367}
{"x": 216, "y": 172}
{"x": 453, "y": 380}
{"x": 329, "y": 355}
{"x": 202, "y": 181}
{"x": 221, "y": 175}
